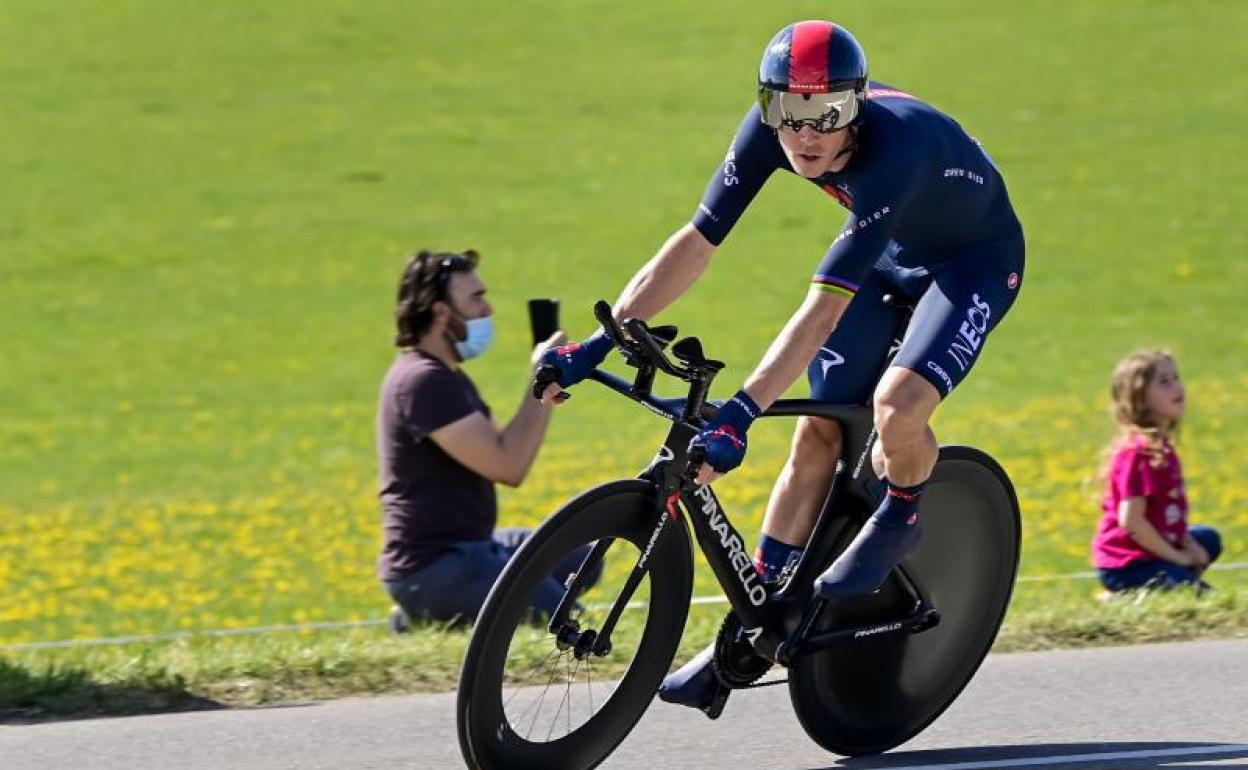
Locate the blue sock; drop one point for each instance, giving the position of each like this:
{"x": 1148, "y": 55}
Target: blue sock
{"x": 773, "y": 556}
{"x": 900, "y": 507}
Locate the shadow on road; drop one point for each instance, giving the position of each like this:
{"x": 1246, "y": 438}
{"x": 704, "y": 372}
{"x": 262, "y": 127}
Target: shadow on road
{"x": 66, "y": 692}
{"x": 1055, "y": 756}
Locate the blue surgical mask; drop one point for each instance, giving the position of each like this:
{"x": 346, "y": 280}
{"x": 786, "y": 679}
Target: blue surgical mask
{"x": 479, "y": 333}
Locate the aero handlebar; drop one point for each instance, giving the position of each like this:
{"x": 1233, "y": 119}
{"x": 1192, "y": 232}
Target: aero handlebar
{"x": 643, "y": 348}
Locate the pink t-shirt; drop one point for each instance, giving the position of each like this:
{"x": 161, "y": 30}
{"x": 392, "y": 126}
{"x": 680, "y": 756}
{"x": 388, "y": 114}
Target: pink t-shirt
{"x": 1135, "y": 471}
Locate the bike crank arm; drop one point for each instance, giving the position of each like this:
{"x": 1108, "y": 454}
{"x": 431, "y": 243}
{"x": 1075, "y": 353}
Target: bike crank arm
{"x": 921, "y": 619}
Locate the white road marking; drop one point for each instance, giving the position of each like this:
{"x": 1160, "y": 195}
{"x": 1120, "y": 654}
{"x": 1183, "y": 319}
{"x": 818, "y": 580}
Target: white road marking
{"x": 1061, "y": 759}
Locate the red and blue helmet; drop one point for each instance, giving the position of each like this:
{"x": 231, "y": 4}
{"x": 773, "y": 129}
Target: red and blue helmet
{"x": 812, "y": 73}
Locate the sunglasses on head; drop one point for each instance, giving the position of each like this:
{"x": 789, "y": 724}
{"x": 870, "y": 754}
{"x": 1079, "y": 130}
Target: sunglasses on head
{"x": 446, "y": 266}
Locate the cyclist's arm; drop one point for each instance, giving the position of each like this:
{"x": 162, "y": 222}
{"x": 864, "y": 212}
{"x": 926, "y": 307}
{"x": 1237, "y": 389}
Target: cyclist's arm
{"x": 853, "y": 253}
{"x": 751, "y": 158}
{"x": 1132, "y": 518}
{"x": 791, "y": 352}
{"x": 667, "y": 276}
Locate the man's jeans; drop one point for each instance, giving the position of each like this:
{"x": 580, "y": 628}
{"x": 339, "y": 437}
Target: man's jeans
{"x": 456, "y": 583}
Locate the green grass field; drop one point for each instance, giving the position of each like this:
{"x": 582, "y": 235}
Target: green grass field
{"x": 206, "y": 209}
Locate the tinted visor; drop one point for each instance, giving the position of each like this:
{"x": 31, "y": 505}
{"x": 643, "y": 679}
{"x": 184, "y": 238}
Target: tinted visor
{"x": 823, "y": 112}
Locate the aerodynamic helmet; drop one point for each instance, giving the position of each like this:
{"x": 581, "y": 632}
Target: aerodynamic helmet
{"x": 812, "y": 73}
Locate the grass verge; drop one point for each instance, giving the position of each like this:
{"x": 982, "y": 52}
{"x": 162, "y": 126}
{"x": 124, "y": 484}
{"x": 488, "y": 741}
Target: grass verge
{"x": 249, "y": 671}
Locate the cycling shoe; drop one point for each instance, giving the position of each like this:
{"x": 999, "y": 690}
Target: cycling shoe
{"x": 864, "y": 565}
{"x": 696, "y": 685}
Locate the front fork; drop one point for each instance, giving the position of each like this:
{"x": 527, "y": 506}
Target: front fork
{"x": 567, "y": 631}
{"x": 723, "y": 546}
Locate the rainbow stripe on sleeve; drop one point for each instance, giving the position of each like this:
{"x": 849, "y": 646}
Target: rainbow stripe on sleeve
{"x": 835, "y": 285}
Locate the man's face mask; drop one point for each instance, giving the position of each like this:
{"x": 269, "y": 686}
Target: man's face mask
{"x": 477, "y": 335}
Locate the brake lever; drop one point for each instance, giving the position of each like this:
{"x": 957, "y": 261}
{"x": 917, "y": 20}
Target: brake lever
{"x": 602, "y": 312}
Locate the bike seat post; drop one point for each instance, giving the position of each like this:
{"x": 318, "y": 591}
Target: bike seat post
{"x": 904, "y": 308}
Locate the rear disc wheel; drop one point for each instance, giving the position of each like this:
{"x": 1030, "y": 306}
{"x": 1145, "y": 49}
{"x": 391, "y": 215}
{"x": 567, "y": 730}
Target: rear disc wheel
{"x": 864, "y": 697}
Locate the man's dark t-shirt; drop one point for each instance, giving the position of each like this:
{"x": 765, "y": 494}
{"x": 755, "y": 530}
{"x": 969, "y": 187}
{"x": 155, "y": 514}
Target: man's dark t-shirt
{"x": 428, "y": 499}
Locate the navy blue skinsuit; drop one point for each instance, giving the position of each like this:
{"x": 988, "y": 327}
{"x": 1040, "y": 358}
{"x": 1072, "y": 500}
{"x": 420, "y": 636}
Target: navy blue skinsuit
{"x": 929, "y": 220}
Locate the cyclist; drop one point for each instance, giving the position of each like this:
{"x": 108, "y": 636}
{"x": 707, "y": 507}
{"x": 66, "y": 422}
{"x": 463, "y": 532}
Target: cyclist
{"x": 929, "y": 220}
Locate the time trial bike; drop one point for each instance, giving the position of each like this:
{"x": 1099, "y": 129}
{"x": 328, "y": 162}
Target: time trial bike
{"x": 864, "y": 674}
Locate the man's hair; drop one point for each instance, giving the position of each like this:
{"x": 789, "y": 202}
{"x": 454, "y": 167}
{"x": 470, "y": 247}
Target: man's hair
{"x": 424, "y": 281}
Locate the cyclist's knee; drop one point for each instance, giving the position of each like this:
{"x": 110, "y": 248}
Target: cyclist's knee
{"x": 904, "y": 402}
{"x": 898, "y": 421}
{"x": 816, "y": 440}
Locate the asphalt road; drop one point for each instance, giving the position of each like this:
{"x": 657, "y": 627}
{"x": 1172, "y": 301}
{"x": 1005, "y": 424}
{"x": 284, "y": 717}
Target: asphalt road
{"x": 1158, "y": 706}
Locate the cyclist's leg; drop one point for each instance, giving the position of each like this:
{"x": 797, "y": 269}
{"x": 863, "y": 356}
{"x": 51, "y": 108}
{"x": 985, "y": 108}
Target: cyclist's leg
{"x": 963, "y": 303}
{"x": 797, "y": 494}
{"x": 906, "y": 449}
{"x": 904, "y": 403}
{"x": 844, "y": 372}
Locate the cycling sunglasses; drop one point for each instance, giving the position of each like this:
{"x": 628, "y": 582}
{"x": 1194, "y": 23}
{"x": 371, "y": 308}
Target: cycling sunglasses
{"x": 826, "y": 113}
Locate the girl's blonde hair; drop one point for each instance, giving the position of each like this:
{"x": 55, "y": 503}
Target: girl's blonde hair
{"x": 1128, "y": 406}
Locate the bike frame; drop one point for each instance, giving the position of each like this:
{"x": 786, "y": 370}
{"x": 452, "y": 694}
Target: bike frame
{"x": 762, "y": 613}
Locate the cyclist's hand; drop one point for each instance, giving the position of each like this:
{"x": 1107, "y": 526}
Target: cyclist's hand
{"x": 722, "y": 443}
{"x": 564, "y": 366}
{"x": 557, "y": 339}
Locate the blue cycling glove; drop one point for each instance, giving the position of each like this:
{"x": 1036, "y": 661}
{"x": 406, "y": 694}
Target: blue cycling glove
{"x": 576, "y": 360}
{"x": 723, "y": 438}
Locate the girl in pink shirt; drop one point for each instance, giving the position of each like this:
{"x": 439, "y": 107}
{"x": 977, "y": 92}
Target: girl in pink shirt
{"x": 1143, "y": 538}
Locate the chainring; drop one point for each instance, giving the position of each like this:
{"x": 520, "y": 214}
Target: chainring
{"x": 736, "y": 663}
